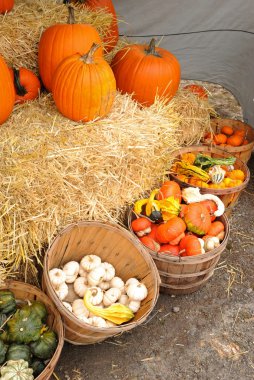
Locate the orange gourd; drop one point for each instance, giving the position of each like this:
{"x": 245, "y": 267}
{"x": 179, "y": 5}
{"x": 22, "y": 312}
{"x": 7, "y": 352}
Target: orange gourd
{"x": 145, "y": 72}
{"x": 169, "y": 189}
{"x": 150, "y": 243}
{"x": 6, "y": 6}
{"x": 227, "y": 130}
{"x": 171, "y": 250}
{"x": 215, "y": 228}
{"x": 26, "y": 83}
{"x": 170, "y": 230}
{"x": 235, "y": 140}
{"x": 7, "y": 93}
{"x": 63, "y": 40}
{"x": 197, "y": 218}
{"x": 84, "y": 87}
{"x": 198, "y": 90}
{"x": 220, "y": 138}
{"x": 211, "y": 207}
{"x": 190, "y": 246}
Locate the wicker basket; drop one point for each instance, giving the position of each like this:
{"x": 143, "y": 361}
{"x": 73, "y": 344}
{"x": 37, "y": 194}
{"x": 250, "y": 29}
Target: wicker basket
{"x": 228, "y": 196}
{"x": 115, "y": 245}
{"x": 185, "y": 275}
{"x": 243, "y": 152}
{"x": 24, "y": 291}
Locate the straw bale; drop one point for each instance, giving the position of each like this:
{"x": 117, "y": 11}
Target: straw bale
{"x": 54, "y": 171}
{"x": 20, "y": 30}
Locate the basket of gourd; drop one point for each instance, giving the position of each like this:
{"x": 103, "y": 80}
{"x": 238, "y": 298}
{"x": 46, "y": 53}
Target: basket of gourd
{"x": 213, "y": 171}
{"x": 31, "y": 335}
{"x": 184, "y": 232}
{"x": 101, "y": 280}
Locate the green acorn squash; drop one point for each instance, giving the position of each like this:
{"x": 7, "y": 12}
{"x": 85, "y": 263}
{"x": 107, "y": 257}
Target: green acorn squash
{"x": 45, "y": 347}
{"x": 7, "y": 302}
{"x": 16, "y": 370}
{"x": 24, "y": 327}
{"x": 3, "y": 318}
{"x": 3, "y": 350}
{"x": 39, "y": 308}
{"x": 38, "y": 366}
{"x": 19, "y": 351}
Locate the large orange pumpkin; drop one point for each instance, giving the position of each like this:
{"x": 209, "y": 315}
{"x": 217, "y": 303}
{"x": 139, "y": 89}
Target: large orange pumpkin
{"x": 197, "y": 218}
{"x": 7, "y": 93}
{"x": 26, "y": 83}
{"x": 170, "y": 231}
{"x": 6, "y": 5}
{"x": 112, "y": 35}
{"x": 84, "y": 87}
{"x": 62, "y": 40}
{"x": 146, "y": 71}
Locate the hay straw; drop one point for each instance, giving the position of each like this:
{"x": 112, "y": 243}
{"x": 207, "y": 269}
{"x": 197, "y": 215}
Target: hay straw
{"x": 54, "y": 171}
{"x": 20, "y": 30}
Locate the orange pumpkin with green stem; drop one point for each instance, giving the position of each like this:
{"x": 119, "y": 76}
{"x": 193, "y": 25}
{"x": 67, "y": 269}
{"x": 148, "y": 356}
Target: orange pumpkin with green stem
{"x": 26, "y": 83}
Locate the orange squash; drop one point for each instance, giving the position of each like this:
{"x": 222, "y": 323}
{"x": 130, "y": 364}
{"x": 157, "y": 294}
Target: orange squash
{"x": 7, "y": 93}
{"x": 150, "y": 243}
{"x": 169, "y": 189}
{"x": 235, "y": 140}
{"x": 26, "y": 83}
{"x": 171, "y": 250}
{"x": 170, "y": 230}
{"x": 145, "y": 72}
{"x": 220, "y": 138}
{"x": 215, "y": 228}
{"x": 227, "y": 130}
{"x": 197, "y": 218}
{"x": 190, "y": 246}
{"x": 84, "y": 87}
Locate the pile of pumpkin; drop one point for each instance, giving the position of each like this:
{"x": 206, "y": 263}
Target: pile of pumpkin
{"x": 24, "y": 336}
{"x": 204, "y": 171}
{"x": 72, "y": 66}
{"x": 94, "y": 294}
{"x": 227, "y": 137}
{"x": 179, "y": 223}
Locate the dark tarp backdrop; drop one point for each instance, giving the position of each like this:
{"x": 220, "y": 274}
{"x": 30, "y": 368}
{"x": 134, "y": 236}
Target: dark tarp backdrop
{"x": 213, "y": 39}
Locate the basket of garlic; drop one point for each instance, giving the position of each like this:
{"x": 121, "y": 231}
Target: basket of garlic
{"x": 101, "y": 279}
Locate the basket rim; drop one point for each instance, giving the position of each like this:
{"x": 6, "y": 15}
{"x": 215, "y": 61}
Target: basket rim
{"x": 124, "y": 231}
{"x": 189, "y": 259}
{"x": 212, "y": 149}
{"x": 7, "y": 284}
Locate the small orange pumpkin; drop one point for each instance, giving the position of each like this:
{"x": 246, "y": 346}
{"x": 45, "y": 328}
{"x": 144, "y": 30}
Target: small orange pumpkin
{"x": 169, "y": 189}
{"x": 235, "y": 140}
{"x": 171, "y": 250}
{"x": 141, "y": 226}
{"x": 215, "y": 228}
{"x": 220, "y": 138}
{"x": 211, "y": 207}
{"x": 6, "y": 6}
{"x": 190, "y": 246}
{"x": 197, "y": 218}
{"x": 26, "y": 83}
{"x": 150, "y": 243}
{"x": 84, "y": 87}
{"x": 170, "y": 230}
{"x": 227, "y": 130}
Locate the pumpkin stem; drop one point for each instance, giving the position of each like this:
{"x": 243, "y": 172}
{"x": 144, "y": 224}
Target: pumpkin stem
{"x": 151, "y": 49}
{"x": 88, "y": 57}
{"x": 20, "y": 90}
{"x": 71, "y": 18}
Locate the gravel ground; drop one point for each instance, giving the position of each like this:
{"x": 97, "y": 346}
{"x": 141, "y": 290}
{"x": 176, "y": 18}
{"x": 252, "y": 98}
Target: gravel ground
{"x": 207, "y": 335}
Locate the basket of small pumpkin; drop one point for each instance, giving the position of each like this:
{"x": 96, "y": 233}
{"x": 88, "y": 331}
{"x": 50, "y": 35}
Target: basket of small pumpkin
{"x": 233, "y": 136}
{"x": 31, "y": 332}
{"x": 213, "y": 171}
{"x": 184, "y": 232}
{"x": 101, "y": 279}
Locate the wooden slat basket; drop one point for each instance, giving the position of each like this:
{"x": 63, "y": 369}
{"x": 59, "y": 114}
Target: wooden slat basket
{"x": 23, "y": 291}
{"x": 229, "y": 196}
{"x": 244, "y": 151}
{"x": 185, "y": 275}
{"x": 115, "y": 245}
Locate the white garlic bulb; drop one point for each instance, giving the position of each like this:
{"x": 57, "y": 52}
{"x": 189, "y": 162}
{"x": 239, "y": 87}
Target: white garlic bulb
{"x": 98, "y": 321}
{"x": 124, "y": 299}
{"x": 68, "y": 306}
{"x": 104, "y": 285}
{"x": 79, "y": 309}
{"x": 56, "y": 277}
{"x": 117, "y": 282}
{"x": 111, "y": 296}
{"x": 137, "y": 292}
{"x": 109, "y": 271}
{"x": 90, "y": 262}
{"x": 80, "y": 286}
{"x": 96, "y": 295}
{"x": 71, "y": 270}
{"x": 96, "y": 275}
{"x": 62, "y": 291}
{"x": 134, "y": 306}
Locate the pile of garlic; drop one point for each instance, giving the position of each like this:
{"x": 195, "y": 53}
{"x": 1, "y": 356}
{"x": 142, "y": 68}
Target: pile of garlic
{"x": 106, "y": 288}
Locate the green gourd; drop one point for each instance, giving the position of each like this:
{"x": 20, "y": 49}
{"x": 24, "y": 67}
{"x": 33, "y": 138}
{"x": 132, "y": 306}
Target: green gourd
{"x": 19, "y": 351}
{"x": 24, "y": 327}
{"x": 45, "y": 346}
{"x": 3, "y": 350}
{"x": 16, "y": 370}
{"x": 7, "y": 302}
{"x": 38, "y": 307}
{"x": 38, "y": 366}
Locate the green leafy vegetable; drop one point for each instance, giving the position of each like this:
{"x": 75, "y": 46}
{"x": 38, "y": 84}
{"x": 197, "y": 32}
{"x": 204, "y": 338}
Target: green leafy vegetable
{"x": 205, "y": 162}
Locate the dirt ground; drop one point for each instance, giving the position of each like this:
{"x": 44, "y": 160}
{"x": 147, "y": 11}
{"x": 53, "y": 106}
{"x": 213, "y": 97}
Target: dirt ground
{"x": 207, "y": 335}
